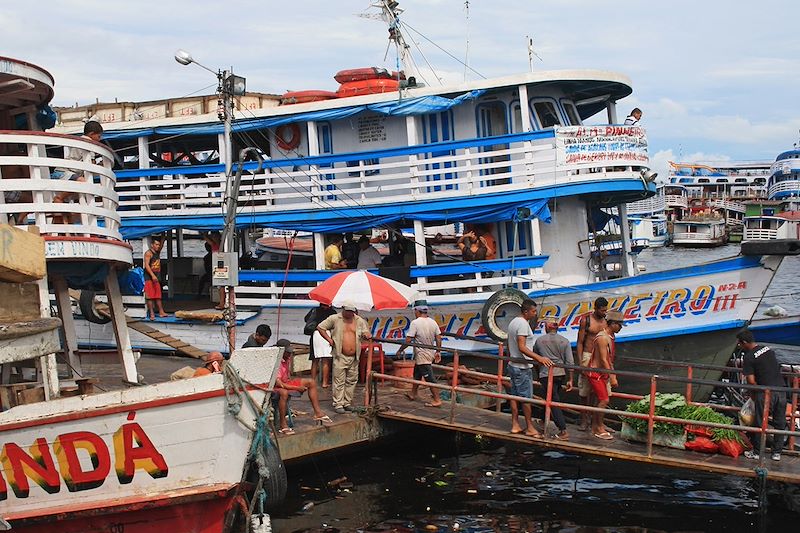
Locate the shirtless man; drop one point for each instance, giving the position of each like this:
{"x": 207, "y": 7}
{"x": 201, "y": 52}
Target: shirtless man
{"x": 344, "y": 332}
{"x": 589, "y": 326}
{"x": 603, "y": 352}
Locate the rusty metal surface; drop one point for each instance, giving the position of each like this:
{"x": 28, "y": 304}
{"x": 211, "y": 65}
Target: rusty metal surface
{"x": 497, "y": 425}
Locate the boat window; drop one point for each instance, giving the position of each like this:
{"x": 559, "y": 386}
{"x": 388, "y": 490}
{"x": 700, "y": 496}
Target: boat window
{"x": 572, "y": 113}
{"x": 546, "y": 114}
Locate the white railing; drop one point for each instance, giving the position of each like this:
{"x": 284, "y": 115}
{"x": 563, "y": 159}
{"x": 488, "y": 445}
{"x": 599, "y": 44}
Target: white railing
{"x": 654, "y": 204}
{"x": 728, "y": 204}
{"x": 676, "y": 200}
{"x": 759, "y": 234}
{"x": 789, "y": 186}
{"x": 78, "y": 219}
{"x": 503, "y": 164}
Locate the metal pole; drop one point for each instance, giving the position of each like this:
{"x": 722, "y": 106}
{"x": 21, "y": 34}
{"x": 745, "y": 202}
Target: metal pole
{"x": 689, "y": 375}
{"x": 548, "y": 399}
{"x": 792, "y": 418}
{"x": 764, "y": 424}
{"x": 453, "y": 385}
{"x": 367, "y": 390}
{"x": 652, "y": 413}
{"x": 500, "y": 352}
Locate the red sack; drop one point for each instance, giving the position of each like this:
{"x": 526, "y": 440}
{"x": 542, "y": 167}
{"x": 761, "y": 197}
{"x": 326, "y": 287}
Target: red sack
{"x": 702, "y": 444}
{"x": 730, "y": 447}
{"x": 700, "y": 431}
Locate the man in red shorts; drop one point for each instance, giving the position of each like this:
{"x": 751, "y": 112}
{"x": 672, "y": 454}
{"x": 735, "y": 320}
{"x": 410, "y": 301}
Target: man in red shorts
{"x": 152, "y": 285}
{"x": 285, "y": 387}
{"x": 601, "y": 383}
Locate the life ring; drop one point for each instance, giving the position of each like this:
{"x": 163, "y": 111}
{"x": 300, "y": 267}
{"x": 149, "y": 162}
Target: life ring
{"x": 88, "y": 310}
{"x": 501, "y": 307}
{"x": 292, "y": 142}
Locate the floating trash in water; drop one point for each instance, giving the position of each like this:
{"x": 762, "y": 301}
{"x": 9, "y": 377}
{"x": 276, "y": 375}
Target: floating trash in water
{"x": 308, "y": 506}
{"x": 440, "y": 483}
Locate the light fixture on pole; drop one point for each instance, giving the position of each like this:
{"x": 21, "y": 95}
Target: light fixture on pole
{"x": 226, "y": 261}
{"x": 648, "y": 175}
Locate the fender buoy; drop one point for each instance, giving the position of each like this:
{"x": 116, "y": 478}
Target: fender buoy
{"x": 276, "y": 484}
{"x": 499, "y": 310}
{"x": 361, "y": 74}
{"x": 290, "y": 143}
{"x": 371, "y": 86}
{"x": 86, "y": 305}
{"x": 303, "y": 97}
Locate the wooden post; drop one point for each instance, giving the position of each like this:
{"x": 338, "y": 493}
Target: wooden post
{"x": 548, "y": 399}
{"x": 47, "y": 363}
{"x": 67, "y": 326}
{"x": 453, "y": 386}
{"x": 120, "y": 325}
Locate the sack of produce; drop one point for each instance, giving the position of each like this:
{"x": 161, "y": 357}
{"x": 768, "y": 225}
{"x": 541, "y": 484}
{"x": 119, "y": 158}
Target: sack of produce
{"x": 702, "y": 444}
{"x": 731, "y": 447}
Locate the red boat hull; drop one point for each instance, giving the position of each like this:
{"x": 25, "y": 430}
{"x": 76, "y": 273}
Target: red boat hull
{"x": 204, "y": 515}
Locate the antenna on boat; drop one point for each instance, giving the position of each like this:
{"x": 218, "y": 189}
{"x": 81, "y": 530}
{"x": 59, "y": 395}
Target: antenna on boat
{"x": 466, "y": 51}
{"x": 227, "y": 259}
{"x": 390, "y": 13}
{"x": 531, "y": 52}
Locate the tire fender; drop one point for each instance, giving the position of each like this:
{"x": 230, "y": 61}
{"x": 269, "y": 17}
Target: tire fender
{"x": 499, "y": 310}
{"x": 86, "y": 305}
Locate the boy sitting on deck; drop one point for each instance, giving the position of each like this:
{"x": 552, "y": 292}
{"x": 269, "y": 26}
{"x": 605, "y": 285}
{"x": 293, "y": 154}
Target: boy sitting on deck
{"x": 285, "y": 386}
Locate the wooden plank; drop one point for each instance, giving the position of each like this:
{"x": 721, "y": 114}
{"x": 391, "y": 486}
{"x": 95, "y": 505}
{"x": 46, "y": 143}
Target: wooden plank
{"x": 20, "y": 302}
{"x": 21, "y": 255}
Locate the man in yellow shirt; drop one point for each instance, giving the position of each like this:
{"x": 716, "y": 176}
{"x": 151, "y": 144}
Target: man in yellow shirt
{"x": 333, "y": 254}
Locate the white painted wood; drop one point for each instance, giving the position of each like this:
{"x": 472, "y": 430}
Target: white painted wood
{"x": 120, "y": 326}
{"x": 64, "y": 305}
{"x": 28, "y": 347}
{"x": 524, "y": 108}
{"x": 47, "y": 363}
{"x": 319, "y": 251}
{"x": 625, "y": 230}
{"x": 420, "y": 249}
{"x": 203, "y": 446}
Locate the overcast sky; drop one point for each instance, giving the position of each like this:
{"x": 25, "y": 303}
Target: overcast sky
{"x": 717, "y": 80}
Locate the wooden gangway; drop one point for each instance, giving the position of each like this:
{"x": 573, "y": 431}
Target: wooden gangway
{"x": 488, "y": 423}
{"x": 455, "y": 416}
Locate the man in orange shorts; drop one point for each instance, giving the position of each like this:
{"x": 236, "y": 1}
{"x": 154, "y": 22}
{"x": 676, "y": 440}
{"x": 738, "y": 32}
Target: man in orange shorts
{"x": 603, "y": 357}
{"x": 285, "y": 387}
{"x": 152, "y": 285}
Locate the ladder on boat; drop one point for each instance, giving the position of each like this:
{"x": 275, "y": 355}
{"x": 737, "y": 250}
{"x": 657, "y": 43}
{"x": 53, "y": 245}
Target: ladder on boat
{"x": 147, "y": 330}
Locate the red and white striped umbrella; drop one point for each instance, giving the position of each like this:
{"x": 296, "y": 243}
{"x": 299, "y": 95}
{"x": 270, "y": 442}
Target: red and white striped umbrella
{"x": 364, "y": 290}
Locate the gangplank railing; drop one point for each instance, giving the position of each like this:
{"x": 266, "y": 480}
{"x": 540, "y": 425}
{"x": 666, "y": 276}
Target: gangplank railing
{"x": 548, "y": 404}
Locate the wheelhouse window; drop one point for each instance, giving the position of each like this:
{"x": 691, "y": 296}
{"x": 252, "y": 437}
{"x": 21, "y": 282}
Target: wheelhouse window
{"x": 572, "y": 114}
{"x": 546, "y": 114}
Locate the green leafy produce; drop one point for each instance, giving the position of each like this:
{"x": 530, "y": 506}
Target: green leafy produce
{"x": 673, "y": 405}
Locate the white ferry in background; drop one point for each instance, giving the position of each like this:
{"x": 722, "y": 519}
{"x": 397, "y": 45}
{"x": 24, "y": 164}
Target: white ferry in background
{"x": 777, "y": 217}
{"x": 722, "y": 187}
{"x": 699, "y": 231}
{"x": 510, "y": 156}
{"x": 648, "y": 219}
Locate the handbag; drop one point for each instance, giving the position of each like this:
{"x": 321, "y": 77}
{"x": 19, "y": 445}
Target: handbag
{"x": 311, "y": 322}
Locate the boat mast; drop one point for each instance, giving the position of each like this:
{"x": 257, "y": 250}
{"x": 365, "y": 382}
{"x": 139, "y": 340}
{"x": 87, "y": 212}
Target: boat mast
{"x": 390, "y": 13}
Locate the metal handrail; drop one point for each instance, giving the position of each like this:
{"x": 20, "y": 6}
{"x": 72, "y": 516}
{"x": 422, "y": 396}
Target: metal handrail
{"x": 548, "y": 404}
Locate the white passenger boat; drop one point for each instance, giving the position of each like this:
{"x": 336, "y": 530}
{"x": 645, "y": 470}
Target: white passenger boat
{"x": 648, "y": 219}
{"x": 509, "y": 156}
{"x": 699, "y": 232}
{"x": 162, "y": 458}
{"x": 778, "y": 217}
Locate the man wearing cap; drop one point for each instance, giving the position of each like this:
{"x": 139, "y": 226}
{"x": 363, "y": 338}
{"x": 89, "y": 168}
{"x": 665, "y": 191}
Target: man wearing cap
{"x": 344, "y": 332}
{"x": 424, "y": 330}
{"x": 601, "y": 383}
{"x": 285, "y": 387}
{"x": 520, "y": 346}
{"x": 212, "y": 365}
{"x": 556, "y": 348}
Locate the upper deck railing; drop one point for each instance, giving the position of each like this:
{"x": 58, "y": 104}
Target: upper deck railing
{"x": 783, "y": 189}
{"x": 676, "y": 200}
{"x": 652, "y": 205}
{"x": 500, "y": 164}
{"x": 64, "y": 185}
